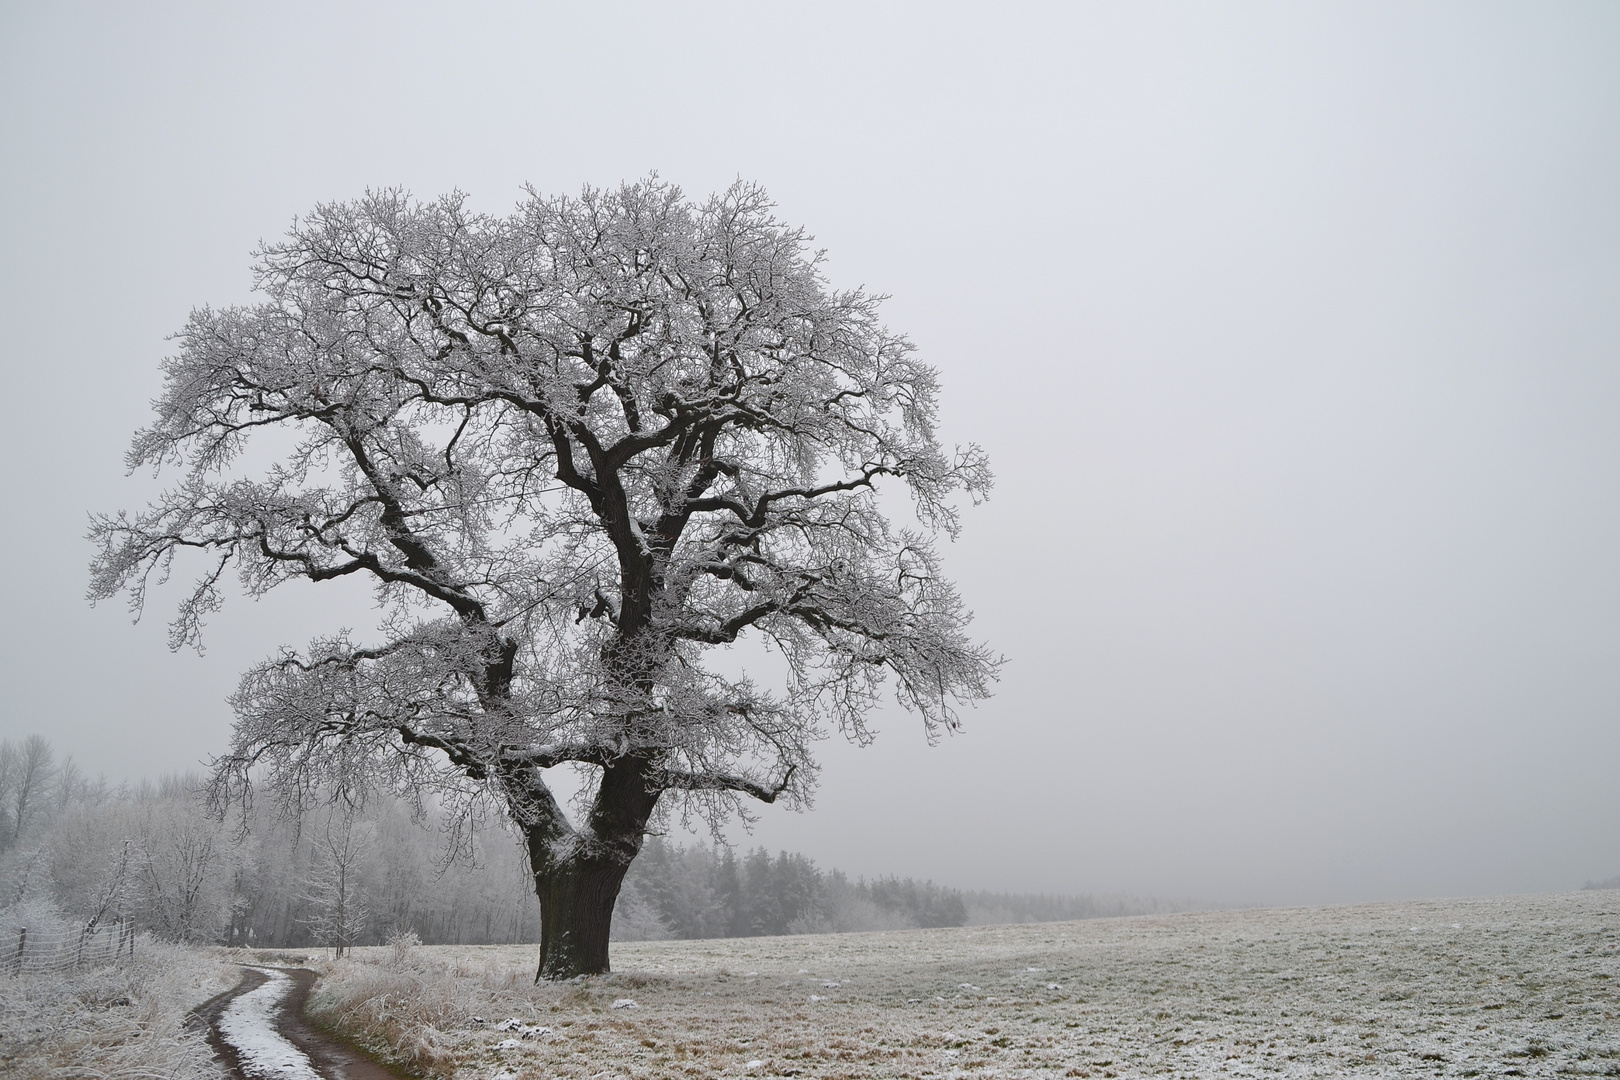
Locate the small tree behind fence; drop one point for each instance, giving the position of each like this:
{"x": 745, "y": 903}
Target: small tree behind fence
{"x": 51, "y": 950}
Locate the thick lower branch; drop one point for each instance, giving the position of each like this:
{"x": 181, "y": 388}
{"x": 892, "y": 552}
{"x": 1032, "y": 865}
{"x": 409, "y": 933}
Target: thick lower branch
{"x": 676, "y": 780}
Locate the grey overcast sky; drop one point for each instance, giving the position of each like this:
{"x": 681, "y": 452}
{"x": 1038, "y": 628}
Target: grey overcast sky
{"x": 1291, "y": 330}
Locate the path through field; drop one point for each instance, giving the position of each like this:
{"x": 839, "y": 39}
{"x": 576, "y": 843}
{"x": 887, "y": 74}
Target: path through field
{"x": 258, "y": 1031}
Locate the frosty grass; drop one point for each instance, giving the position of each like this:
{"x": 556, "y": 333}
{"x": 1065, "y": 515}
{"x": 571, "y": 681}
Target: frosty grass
{"x": 127, "y": 1020}
{"x": 1515, "y": 986}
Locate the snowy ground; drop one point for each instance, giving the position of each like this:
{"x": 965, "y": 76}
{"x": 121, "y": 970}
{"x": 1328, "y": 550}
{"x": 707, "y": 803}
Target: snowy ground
{"x": 1517, "y": 986}
{"x": 248, "y": 1024}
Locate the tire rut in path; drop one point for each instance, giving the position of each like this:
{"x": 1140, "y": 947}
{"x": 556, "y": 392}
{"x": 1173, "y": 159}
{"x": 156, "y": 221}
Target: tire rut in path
{"x": 246, "y": 1046}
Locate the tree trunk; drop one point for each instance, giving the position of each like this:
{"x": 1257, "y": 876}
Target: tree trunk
{"x": 576, "y": 916}
{"x": 577, "y": 873}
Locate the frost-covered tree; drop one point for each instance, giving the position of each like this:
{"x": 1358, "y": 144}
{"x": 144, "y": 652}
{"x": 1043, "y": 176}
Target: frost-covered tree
{"x": 574, "y": 449}
{"x": 339, "y": 912}
{"x": 183, "y": 865}
{"x": 27, "y": 772}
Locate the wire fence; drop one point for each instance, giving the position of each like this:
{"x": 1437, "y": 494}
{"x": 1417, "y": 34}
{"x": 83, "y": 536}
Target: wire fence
{"x": 59, "y": 950}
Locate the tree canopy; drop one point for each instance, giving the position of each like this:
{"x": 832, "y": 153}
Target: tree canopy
{"x": 573, "y": 449}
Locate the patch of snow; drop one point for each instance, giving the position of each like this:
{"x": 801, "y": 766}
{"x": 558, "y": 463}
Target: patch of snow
{"x": 509, "y": 1044}
{"x": 527, "y": 1031}
{"x": 756, "y": 1063}
{"x": 626, "y": 1003}
{"x": 248, "y": 1025}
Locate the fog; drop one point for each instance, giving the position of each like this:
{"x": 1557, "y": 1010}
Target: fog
{"x": 1291, "y": 332}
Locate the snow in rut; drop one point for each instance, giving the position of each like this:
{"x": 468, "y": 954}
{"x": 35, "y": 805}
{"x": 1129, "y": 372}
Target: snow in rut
{"x": 248, "y": 1024}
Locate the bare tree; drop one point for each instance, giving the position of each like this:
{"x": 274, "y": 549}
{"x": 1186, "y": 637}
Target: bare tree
{"x": 183, "y": 869}
{"x": 339, "y": 907}
{"x": 573, "y": 449}
{"x": 23, "y": 873}
{"x": 109, "y": 895}
{"x": 26, "y": 772}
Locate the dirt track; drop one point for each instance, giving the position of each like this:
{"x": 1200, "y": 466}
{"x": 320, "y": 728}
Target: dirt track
{"x": 241, "y": 1059}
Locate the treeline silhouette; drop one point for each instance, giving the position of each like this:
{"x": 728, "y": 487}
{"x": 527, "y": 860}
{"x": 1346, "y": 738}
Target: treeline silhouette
{"x": 675, "y": 891}
{"x": 75, "y": 852}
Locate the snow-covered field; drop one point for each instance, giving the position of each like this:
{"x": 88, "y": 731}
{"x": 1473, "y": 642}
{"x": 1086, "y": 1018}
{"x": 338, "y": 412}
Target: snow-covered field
{"x": 1514, "y": 986}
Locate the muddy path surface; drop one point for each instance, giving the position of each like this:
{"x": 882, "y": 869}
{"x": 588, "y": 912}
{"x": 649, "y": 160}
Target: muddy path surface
{"x": 258, "y": 1031}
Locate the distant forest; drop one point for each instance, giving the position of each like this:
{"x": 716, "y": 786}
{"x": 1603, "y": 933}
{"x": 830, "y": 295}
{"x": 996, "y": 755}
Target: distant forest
{"x": 75, "y": 851}
{"x": 675, "y": 891}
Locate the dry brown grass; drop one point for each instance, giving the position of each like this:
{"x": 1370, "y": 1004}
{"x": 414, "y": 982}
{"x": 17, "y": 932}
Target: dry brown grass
{"x": 1511, "y": 986}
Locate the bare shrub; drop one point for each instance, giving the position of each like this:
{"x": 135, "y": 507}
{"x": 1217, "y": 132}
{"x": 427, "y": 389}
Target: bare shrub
{"x": 402, "y": 949}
